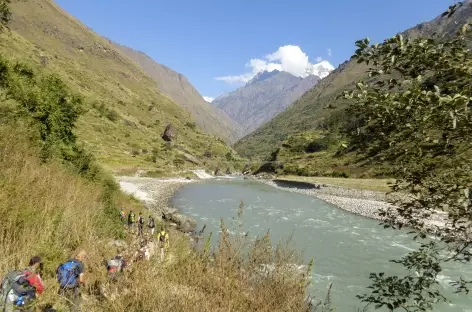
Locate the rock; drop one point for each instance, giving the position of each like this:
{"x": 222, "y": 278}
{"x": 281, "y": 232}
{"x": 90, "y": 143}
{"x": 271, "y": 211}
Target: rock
{"x": 118, "y": 243}
{"x": 169, "y": 133}
{"x": 217, "y": 172}
{"x": 129, "y": 123}
{"x": 228, "y": 171}
{"x": 191, "y": 158}
{"x": 168, "y": 212}
{"x": 44, "y": 60}
{"x": 186, "y": 224}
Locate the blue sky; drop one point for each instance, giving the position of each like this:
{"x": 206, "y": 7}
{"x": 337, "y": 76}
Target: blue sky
{"x": 205, "y": 39}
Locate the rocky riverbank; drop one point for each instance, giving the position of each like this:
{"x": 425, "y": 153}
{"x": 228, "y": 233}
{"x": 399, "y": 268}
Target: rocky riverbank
{"x": 156, "y": 194}
{"x": 362, "y": 202}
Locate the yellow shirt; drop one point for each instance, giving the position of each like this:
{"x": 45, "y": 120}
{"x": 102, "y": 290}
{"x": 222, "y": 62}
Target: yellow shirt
{"x": 166, "y": 238}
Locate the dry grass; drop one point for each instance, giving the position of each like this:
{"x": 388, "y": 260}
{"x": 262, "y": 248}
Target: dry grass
{"x": 380, "y": 185}
{"x": 48, "y": 211}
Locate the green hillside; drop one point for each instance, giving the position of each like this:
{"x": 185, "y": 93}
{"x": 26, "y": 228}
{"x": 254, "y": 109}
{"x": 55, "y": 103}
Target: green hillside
{"x": 126, "y": 115}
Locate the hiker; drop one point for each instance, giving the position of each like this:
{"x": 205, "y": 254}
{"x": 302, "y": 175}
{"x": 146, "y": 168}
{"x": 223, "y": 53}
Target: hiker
{"x": 19, "y": 288}
{"x": 151, "y": 225}
{"x": 140, "y": 224}
{"x": 131, "y": 220}
{"x": 142, "y": 253}
{"x": 116, "y": 266}
{"x": 70, "y": 276}
{"x": 123, "y": 215}
{"x": 163, "y": 239}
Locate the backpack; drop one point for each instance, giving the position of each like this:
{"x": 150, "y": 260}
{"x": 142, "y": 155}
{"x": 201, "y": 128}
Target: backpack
{"x": 68, "y": 274}
{"x": 114, "y": 265}
{"x": 16, "y": 288}
{"x": 162, "y": 238}
{"x": 141, "y": 220}
{"x": 152, "y": 224}
{"x": 131, "y": 217}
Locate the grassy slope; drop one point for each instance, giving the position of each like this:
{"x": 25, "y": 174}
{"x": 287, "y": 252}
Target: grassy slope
{"x": 309, "y": 114}
{"x": 113, "y": 86}
{"x": 49, "y": 211}
{"x": 176, "y": 86}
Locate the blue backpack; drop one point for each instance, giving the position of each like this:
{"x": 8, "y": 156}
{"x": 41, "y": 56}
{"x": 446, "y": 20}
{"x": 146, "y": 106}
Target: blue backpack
{"x": 68, "y": 274}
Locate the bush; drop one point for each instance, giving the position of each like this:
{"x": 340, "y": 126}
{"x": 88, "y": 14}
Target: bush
{"x": 191, "y": 125}
{"x": 320, "y": 144}
{"x": 317, "y": 145}
{"x": 112, "y": 115}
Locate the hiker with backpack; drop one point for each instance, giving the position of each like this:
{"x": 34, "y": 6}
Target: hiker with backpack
{"x": 19, "y": 288}
{"x": 70, "y": 276}
{"x": 131, "y": 220}
{"x": 140, "y": 224}
{"x": 151, "y": 226}
{"x": 116, "y": 266}
{"x": 122, "y": 215}
{"x": 163, "y": 240}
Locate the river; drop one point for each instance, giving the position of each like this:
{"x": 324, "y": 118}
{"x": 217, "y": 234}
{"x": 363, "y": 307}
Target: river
{"x": 345, "y": 247}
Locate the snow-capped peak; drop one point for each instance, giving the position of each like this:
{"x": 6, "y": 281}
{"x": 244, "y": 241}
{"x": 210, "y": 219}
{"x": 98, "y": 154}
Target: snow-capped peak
{"x": 321, "y": 69}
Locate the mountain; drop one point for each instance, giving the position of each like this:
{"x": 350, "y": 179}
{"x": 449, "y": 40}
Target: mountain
{"x": 265, "y": 96}
{"x": 178, "y": 88}
{"x": 309, "y": 113}
{"x": 126, "y": 114}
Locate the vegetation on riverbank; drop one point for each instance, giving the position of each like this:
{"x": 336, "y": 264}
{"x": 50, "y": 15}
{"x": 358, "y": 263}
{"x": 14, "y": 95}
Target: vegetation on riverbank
{"x": 425, "y": 83}
{"x": 380, "y": 185}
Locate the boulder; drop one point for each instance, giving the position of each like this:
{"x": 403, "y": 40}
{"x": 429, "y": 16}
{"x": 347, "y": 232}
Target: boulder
{"x": 186, "y": 224}
{"x": 168, "y": 212}
{"x": 169, "y": 133}
{"x": 129, "y": 123}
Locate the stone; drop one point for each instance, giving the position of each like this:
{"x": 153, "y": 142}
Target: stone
{"x": 185, "y": 224}
{"x": 169, "y": 133}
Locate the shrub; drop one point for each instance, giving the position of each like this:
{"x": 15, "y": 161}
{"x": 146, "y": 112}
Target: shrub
{"x": 112, "y": 115}
{"x": 191, "y": 125}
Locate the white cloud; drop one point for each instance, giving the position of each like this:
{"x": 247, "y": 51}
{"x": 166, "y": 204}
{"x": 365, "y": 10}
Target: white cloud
{"x": 329, "y": 52}
{"x": 288, "y": 58}
{"x": 319, "y": 59}
{"x": 208, "y": 98}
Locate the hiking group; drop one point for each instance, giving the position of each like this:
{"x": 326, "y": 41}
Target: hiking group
{"x": 19, "y": 288}
{"x": 131, "y": 221}
{"x": 162, "y": 237}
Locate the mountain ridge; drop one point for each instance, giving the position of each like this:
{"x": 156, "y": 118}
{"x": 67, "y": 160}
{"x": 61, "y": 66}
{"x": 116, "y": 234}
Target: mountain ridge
{"x": 266, "y": 95}
{"x": 308, "y": 113}
{"x": 126, "y": 114}
{"x": 178, "y": 88}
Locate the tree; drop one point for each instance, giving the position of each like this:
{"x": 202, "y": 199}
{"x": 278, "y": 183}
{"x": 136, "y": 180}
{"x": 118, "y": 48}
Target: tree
{"x": 416, "y": 116}
{"x": 5, "y": 13}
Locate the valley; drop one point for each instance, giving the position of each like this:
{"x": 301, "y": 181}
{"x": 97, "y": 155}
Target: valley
{"x": 296, "y": 185}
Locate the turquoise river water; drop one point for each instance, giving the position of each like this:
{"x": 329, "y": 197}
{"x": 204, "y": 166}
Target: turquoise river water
{"x": 345, "y": 247}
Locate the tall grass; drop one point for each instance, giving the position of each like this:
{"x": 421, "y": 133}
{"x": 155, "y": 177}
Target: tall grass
{"x": 48, "y": 210}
